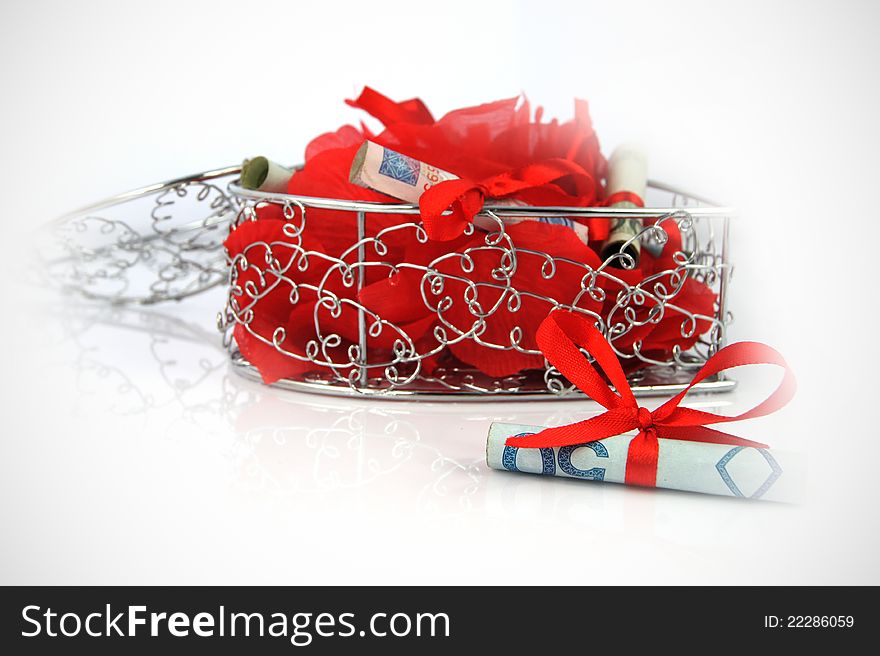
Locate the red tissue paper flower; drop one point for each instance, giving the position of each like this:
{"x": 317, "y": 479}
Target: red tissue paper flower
{"x": 298, "y": 300}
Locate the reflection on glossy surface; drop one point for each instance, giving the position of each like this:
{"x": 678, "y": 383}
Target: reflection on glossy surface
{"x": 169, "y": 373}
{"x": 159, "y": 450}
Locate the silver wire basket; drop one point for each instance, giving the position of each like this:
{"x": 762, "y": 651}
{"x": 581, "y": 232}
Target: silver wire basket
{"x": 331, "y": 363}
{"x": 165, "y": 242}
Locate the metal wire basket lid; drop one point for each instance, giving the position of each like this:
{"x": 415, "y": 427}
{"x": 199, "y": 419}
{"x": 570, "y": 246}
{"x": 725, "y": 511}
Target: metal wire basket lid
{"x": 158, "y": 243}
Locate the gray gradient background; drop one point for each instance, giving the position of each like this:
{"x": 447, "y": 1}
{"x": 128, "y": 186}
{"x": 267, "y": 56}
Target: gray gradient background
{"x": 769, "y": 106}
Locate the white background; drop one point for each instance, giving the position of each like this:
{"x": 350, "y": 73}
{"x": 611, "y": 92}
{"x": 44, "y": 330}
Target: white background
{"x": 130, "y": 454}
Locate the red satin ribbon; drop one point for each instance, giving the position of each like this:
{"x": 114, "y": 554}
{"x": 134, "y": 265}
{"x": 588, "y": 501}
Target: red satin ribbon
{"x": 390, "y": 112}
{"x": 465, "y": 198}
{"x": 559, "y": 337}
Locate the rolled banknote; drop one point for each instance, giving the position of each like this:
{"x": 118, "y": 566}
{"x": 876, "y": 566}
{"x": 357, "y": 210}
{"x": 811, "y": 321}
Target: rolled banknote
{"x": 486, "y": 223}
{"x": 392, "y": 173}
{"x": 732, "y": 471}
{"x": 627, "y": 171}
{"x": 262, "y": 174}
{"x": 406, "y": 179}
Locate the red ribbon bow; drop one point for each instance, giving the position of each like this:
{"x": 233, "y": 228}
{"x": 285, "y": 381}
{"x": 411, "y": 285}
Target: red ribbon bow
{"x": 465, "y": 198}
{"x": 559, "y": 337}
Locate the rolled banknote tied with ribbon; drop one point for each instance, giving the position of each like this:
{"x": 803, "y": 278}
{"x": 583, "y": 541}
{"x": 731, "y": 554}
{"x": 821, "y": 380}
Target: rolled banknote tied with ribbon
{"x": 627, "y": 182}
{"x": 734, "y": 471}
{"x": 671, "y": 446}
{"x": 405, "y": 178}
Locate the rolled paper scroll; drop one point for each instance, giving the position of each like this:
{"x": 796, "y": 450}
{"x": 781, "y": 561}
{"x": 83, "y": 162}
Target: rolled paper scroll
{"x": 733, "y": 471}
{"x": 392, "y": 173}
{"x": 262, "y": 174}
{"x": 627, "y": 172}
{"x": 484, "y": 222}
{"x": 389, "y": 172}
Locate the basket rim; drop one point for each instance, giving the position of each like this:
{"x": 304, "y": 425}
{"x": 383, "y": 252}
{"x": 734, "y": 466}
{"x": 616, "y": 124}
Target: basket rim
{"x": 710, "y": 208}
{"x": 139, "y": 192}
{"x": 421, "y": 392}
